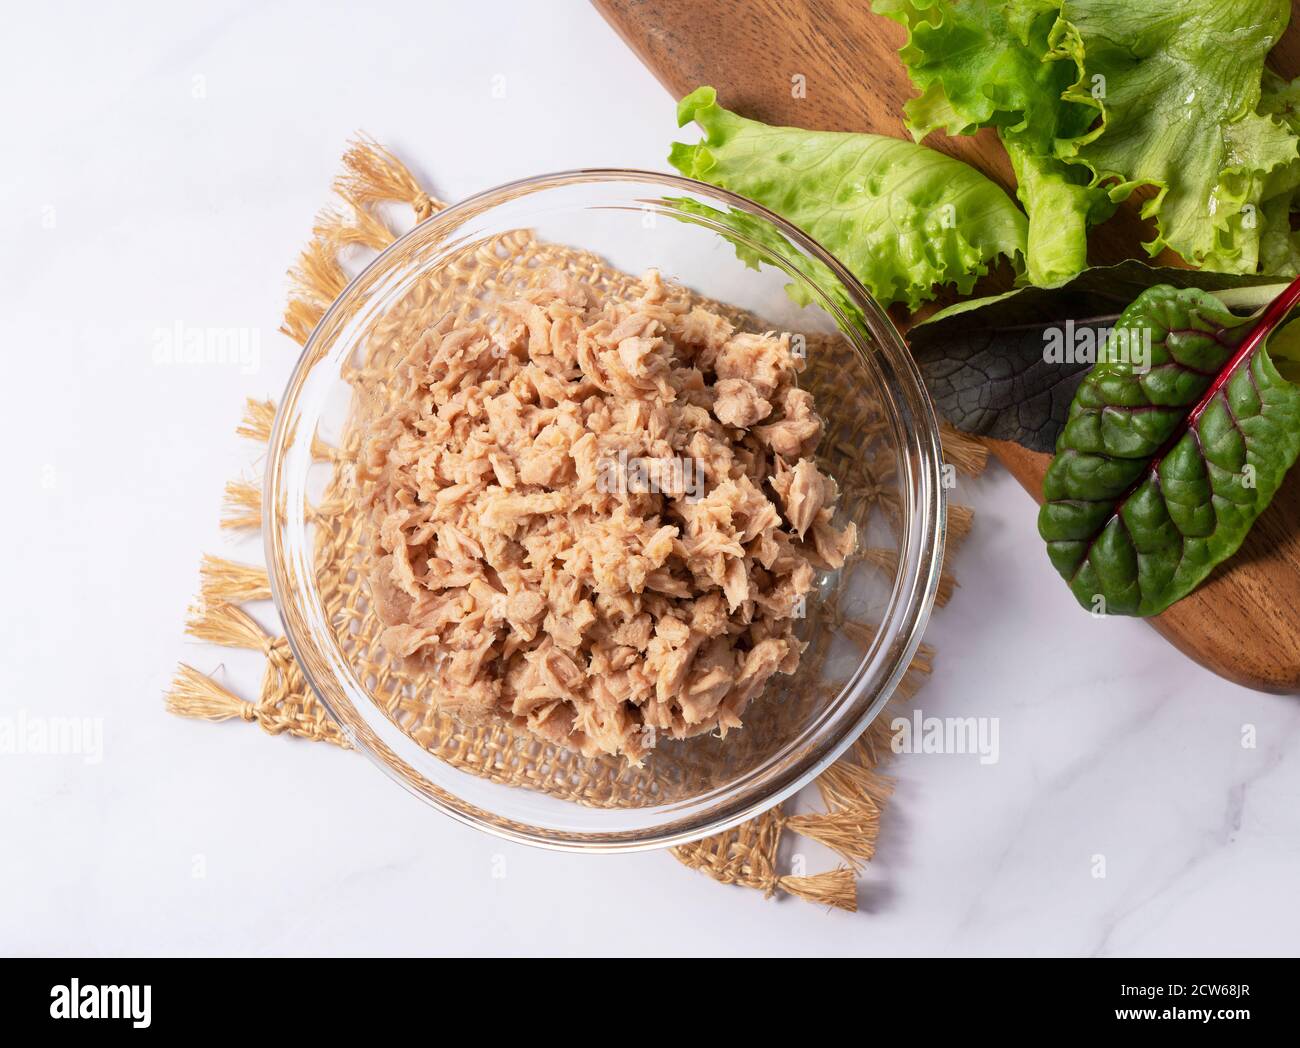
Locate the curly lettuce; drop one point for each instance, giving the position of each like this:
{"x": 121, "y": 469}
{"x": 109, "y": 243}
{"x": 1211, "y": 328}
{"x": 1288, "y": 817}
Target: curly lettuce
{"x": 986, "y": 65}
{"x": 1177, "y": 88}
{"x": 1095, "y": 98}
{"x": 902, "y": 218}
{"x": 1279, "y": 246}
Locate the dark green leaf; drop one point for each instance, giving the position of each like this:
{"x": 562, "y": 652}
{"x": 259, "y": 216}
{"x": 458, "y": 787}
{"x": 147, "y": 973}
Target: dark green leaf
{"x": 1159, "y": 474}
{"x": 985, "y": 364}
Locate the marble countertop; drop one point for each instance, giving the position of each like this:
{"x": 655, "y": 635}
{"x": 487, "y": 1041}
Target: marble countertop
{"x": 165, "y": 170}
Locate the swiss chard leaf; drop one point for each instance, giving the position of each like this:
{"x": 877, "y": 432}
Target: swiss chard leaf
{"x": 987, "y": 362}
{"x": 1160, "y": 472}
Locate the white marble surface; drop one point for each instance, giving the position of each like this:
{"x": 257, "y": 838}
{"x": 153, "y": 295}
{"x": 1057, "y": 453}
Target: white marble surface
{"x": 163, "y": 164}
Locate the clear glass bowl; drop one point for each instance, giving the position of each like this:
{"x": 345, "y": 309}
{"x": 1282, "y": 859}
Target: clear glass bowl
{"x": 863, "y": 623}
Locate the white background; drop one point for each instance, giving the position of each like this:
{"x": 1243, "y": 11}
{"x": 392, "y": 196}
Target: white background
{"x": 166, "y": 207}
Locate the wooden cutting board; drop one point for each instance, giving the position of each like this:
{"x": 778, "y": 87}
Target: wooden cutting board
{"x": 1244, "y": 622}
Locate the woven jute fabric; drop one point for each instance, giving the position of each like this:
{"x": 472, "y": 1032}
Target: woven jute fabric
{"x": 853, "y": 792}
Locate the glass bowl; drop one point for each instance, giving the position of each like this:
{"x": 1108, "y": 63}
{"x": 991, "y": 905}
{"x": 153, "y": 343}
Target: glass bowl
{"x": 863, "y": 623}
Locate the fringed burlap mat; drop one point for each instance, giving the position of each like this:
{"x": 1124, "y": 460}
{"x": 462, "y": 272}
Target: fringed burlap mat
{"x": 853, "y": 791}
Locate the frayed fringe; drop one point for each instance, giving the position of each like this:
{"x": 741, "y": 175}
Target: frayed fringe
{"x": 317, "y": 278}
{"x": 228, "y": 625}
{"x": 300, "y": 319}
{"x": 923, "y": 660}
{"x": 198, "y": 696}
{"x": 876, "y": 744}
{"x": 863, "y": 634}
{"x": 243, "y": 505}
{"x": 837, "y": 888}
{"x": 194, "y": 694}
{"x": 851, "y": 832}
{"x": 887, "y": 561}
{"x": 259, "y": 417}
{"x": 357, "y": 228}
{"x": 286, "y": 704}
{"x": 227, "y": 582}
{"x": 846, "y": 785}
{"x": 259, "y": 420}
{"x": 960, "y": 520}
{"x": 374, "y": 176}
{"x": 962, "y": 450}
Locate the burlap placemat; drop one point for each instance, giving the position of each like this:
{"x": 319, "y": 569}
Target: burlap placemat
{"x": 853, "y": 792}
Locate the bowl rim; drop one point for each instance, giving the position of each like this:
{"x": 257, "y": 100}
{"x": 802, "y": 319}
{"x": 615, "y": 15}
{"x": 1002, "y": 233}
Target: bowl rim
{"x": 913, "y": 611}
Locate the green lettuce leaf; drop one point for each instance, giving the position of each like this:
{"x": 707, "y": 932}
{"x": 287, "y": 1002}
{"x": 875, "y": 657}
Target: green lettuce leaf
{"x": 1061, "y": 207}
{"x": 981, "y": 65}
{"x": 1177, "y": 89}
{"x": 986, "y": 65}
{"x": 1279, "y": 246}
{"x": 1094, "y": 98}
{"x": 902, "y": 218}
{"x": 1171, "y": 451}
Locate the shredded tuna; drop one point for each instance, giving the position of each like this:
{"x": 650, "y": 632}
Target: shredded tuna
{"x": 803, "y": 492}
{"x": 739, "y": 403}
{"x": 598, "y": 519}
